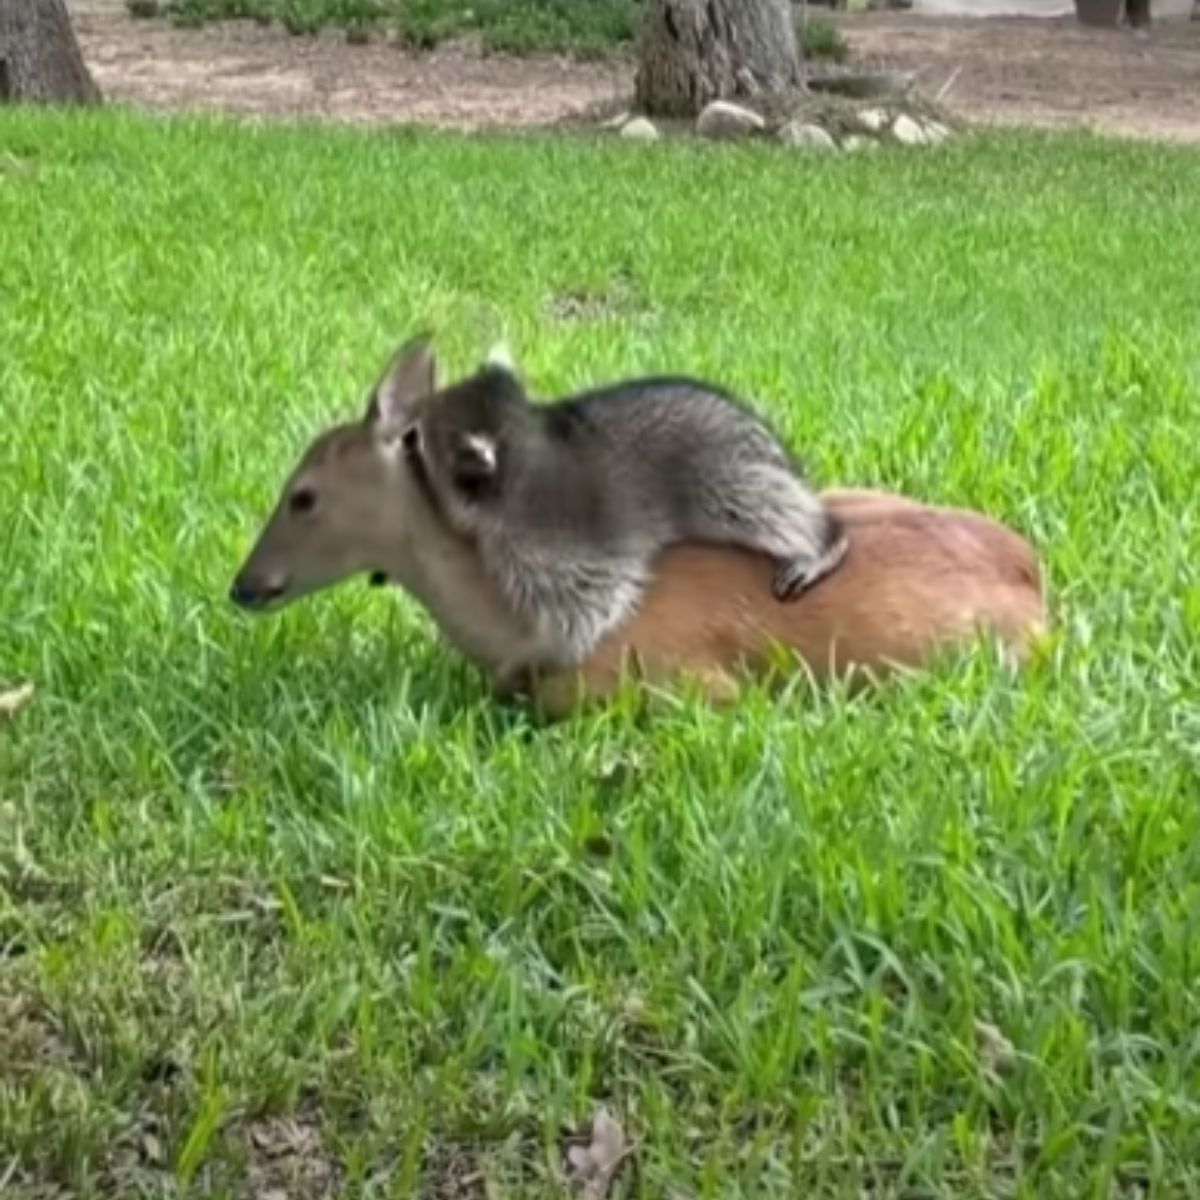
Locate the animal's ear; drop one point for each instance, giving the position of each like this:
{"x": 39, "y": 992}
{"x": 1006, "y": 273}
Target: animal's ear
{"x": 499, "y": 357}
{"x": 409, "y": 378}
{"x": 474, "y": 464}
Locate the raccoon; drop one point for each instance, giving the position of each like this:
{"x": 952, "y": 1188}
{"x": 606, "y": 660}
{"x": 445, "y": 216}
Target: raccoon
{"x": 569, "y": 502}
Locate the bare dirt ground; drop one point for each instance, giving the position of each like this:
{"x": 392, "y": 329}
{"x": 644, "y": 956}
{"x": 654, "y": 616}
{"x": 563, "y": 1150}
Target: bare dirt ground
{"x": 1048, "y": 72}
{"x": 244, "y": 68}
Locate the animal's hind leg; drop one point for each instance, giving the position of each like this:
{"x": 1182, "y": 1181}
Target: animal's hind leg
{"x": 773, "y": 511}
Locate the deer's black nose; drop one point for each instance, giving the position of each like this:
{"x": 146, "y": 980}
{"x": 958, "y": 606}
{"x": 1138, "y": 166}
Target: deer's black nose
{"x": 241, "y": 595}
{"x": 247, "y": 595}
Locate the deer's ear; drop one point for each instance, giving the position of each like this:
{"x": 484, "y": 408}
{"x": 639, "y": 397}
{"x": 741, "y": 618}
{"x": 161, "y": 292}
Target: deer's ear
{"x": 409, "y": 378}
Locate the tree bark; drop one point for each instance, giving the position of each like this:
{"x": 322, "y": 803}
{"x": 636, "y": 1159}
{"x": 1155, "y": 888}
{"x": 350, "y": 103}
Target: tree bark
{"x": 40, "y": 61}
{"x": 1137, "y": 13}
{"x": 696, "y": 51}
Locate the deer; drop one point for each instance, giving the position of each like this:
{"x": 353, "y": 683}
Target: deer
{"x": 916, "y": 580}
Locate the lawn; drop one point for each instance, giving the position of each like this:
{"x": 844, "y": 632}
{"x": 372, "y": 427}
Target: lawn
{"x": 288, "y": 906}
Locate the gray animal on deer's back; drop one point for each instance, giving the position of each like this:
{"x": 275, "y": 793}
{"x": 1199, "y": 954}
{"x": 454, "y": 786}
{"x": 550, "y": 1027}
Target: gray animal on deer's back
{"x": 569, "y": 502}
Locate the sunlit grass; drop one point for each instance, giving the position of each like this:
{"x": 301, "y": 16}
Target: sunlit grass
{"x": 938, "y": 942}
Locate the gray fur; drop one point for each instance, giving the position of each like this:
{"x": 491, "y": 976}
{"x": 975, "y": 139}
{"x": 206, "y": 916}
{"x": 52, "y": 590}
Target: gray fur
{"x": 570, "y": 502}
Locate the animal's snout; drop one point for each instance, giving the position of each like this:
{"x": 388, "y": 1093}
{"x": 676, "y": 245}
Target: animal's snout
{"x": 246, "y": 593}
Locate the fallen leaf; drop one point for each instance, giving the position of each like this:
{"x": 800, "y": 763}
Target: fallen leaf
{"x": 282, "y": 1135}
{"x": 12, "y": 701}
{"x": 596, "y": 1163}
{"x": 286, "y": 1159}
{"x": 152, "y": 1149}
{"x": 996, "y": 1052}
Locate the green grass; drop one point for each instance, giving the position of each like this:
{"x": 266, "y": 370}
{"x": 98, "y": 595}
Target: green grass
{"x": 291, "y": 899}
{"x": 822, "y": 39}
{"x": 587, "y": 28}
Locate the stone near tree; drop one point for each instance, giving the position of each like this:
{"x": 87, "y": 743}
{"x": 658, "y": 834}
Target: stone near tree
{"x": 935, "y": 133}
{"x": 806, "y": 136}
{"x": 40, "y": 61}
{"x": 873, "y": 120}
{"x": 697, "y": 51}
{"x": 639, "y": 129}
{"x": 906, "y": 131}
{"x": 720, "y": 119}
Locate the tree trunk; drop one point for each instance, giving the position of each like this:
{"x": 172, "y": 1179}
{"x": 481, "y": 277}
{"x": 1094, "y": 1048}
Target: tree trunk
{"x": 696, "y": 51}
{"x": 40, "y": 60}
{"x": 1104, "y": 14}
{"x": 1137, "y": 13}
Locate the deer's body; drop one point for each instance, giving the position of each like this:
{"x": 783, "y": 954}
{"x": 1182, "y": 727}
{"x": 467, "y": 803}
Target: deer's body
{"x": 916, "y": 580}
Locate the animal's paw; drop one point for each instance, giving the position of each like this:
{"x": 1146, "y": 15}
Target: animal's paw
{"x": 795, "y": 576}
{"x": 792, "y": 578}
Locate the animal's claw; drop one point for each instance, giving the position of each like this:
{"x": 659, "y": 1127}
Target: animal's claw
{"x": 796, "y": 575}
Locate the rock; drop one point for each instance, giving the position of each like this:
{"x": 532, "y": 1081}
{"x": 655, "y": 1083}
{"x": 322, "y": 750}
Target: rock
{"x": 640, "y": 129}
{"x": 935, "y": 133}
{"x": 906, "y": 131}
{"x": 873, "y": 120}
{"x": 810, "y": 137}
{"x": 720, "y": 119}
{"x": 855, "y": 143}
{"x": 615, "y": 122}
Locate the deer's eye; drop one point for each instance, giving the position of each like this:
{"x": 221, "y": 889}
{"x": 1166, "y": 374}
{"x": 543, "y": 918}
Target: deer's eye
{"x": 303, "y": 500}
{"x": 410, "y": 439}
